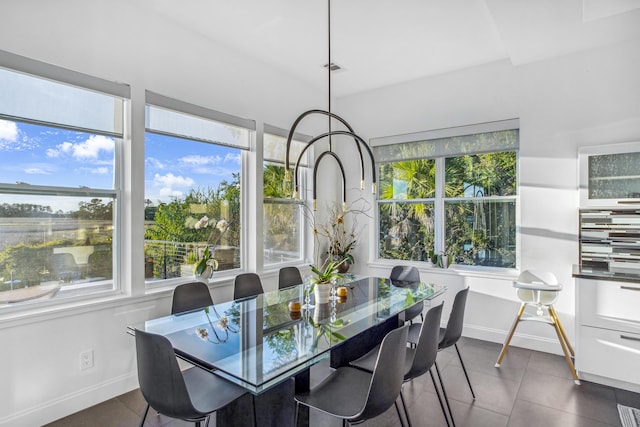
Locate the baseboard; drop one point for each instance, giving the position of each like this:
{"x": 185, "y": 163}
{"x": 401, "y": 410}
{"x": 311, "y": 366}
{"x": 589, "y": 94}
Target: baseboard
{"x": 531, "y": 342}
{"x": 609, "y": 382}
{"x": 71, "y": 403}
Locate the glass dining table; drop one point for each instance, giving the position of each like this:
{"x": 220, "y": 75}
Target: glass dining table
{"x": 260, "y": 344}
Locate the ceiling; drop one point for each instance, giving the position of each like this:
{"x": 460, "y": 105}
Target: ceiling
{"x": 382, "y": 42}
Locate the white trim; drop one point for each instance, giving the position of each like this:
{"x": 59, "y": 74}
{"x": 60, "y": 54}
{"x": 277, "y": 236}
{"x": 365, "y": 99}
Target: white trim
{"x": 52, "y": 72}
{"x": 162, "y": 101}
{"x": 447, "y": 132}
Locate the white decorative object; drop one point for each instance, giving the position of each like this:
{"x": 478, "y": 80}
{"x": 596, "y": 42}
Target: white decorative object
{"x": 322, "y": 292}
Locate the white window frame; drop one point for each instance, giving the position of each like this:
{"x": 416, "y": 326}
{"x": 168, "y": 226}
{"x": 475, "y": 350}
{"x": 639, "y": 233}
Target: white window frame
{"x": 439, "y": 153}
{"x": 302, "y": 202}
{"x": 38, "y": 69}
{"x": 164, "y": 102}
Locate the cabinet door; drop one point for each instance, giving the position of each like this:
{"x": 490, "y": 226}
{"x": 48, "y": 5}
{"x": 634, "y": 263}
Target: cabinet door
{"x": 610, "y": 354}
{"x": 610, "y": 175}
{"x": 608, "y": 304}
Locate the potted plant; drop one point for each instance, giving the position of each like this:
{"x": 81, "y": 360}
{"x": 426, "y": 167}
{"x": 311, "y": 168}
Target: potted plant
{"x": 341, "y": 238}
{"x": 324, "y": 278}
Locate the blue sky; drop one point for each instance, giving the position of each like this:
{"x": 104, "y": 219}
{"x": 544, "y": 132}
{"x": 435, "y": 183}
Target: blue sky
{"x": 41, "y": 155}
{"x": 174, "y": 165}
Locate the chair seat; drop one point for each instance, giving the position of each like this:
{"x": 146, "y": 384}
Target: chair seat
{"x": 342, "y": 394}
{"x": 414, "y": 334}
{"x": 537, "y": 286}
{"x": 368, "y": 361}
{"x": 209, "y": 392}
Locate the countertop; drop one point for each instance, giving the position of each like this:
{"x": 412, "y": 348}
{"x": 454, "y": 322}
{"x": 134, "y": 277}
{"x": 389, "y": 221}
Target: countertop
{"x": 599, "y": 274}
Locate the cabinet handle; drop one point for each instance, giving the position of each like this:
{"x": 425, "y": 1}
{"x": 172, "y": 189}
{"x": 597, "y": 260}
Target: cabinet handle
{"x": 628, "y": 202}
{"x": 629, "y": 288}
{"x": 626, "y": 337}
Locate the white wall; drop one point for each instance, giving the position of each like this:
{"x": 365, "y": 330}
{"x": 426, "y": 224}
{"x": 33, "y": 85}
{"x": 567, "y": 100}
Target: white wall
{"x": 590, "y": 98}
{"x": 114, "y": 40}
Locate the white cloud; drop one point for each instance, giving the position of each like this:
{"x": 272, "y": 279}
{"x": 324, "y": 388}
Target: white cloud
{"x": 100, "y": 171}
{"x": 230, "y": 157}
{"x": 152, "y": 162}
{"x": 170, "y": 180}
{"x": 89, "y": 149}
{"x": 170, "y": 185}
{"x": 36, "y": 171}
{"x": 8, "y": 131}
{"x": 195, "y": 160}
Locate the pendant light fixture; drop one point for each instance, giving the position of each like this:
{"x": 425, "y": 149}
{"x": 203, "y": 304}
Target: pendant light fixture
{"x": 352, "y": 138}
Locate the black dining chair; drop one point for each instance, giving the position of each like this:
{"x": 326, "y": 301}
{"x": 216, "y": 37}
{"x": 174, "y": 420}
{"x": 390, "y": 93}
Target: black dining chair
{"x": 289, "y": 276}
{"x": 247, "y": 285}
{"x": 190, "y": 296}
{"x": 450, "y": 335}
{"x": 355, "y": 395}
{"x": 419, "y": 359}
{"x": 191, "y": 395}
{"x": 406, "y": 273}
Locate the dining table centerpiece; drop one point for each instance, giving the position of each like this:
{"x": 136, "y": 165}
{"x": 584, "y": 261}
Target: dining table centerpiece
{"x": 337, "y": 235}
{"x": 324, "y": 278}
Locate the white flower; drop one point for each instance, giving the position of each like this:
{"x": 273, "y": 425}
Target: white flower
{"x": 202, "y": 223}
{"x": 223, "y": 323}
{"x": 203, "y": 333}
{"x": 222, "y": 225}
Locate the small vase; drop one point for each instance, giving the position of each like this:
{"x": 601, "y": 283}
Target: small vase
{"x": 206, "y": 274}
{"x": 322, "y": 292}
{"x": 344, "y": 265}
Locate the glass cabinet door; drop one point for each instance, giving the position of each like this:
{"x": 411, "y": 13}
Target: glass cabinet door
{"x": 610, "y": 175}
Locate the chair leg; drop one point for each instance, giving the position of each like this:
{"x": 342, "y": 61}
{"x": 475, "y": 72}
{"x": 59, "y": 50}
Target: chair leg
{"x": 554, "y": 316}
{"x": 508, "y": 340}
{"x": 435, "y": 386}
{"x": 144, "y": 416}
{"x": 464, "y": 370}
{"x": 404, "y": 406}
{"x": 399, "y": 414}
{"x": 565, "y": 350}
{"x": 444, "y": 393}
{"x": 295, "y": 417}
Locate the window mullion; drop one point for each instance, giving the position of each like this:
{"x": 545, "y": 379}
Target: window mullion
{"x": 438, "y": 207}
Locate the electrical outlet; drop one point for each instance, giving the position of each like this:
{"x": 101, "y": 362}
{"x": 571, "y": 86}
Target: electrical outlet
{"x": 86, "y": 360}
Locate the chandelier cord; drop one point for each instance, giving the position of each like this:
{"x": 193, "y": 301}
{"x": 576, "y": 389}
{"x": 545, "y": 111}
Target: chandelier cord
{"x": 329, "y": 66}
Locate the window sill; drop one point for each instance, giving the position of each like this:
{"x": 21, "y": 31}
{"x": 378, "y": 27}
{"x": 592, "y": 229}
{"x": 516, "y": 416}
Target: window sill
{"x": 454, "y": 270}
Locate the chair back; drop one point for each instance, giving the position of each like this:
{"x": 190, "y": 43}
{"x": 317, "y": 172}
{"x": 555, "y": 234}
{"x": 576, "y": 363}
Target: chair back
{"x": 247, "y": 285}
{"x": 546, "y": 284}
{"x": 190, "y": 296}
{"x": 289, "y": 276}
{"x": 161, "y": 381}
{"x": 455, "y": 323}
{"x": 388, "y": 375}
{"x": 427, "y": 346}
{"x": 405, "y": 273}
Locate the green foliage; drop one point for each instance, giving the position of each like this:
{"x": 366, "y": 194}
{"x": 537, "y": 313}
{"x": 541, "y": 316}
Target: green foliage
{"x": 479, "y": 232}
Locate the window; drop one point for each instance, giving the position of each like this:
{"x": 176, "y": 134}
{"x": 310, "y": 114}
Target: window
{"x": 454, "y": 194}
{"x": 61, "y": 134}
{"x": 283, "y": 222}
{"x": 193, "y": 163}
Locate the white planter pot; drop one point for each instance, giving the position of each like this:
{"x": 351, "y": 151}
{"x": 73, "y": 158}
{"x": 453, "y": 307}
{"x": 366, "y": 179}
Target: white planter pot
{"x": 322, "y": 292}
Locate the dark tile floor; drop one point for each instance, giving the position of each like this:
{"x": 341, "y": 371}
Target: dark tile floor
{"x": 530, "y": 389}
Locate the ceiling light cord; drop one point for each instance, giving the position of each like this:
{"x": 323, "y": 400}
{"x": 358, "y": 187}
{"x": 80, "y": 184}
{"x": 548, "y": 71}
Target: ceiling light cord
{"x": 359, "y": 142}
{"x": 329, "y": 66}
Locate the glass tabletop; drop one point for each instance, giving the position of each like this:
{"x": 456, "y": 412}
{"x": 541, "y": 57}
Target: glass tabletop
{"x": 258, "y": 342}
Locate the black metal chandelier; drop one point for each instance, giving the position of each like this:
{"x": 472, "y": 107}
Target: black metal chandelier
{"x": 357, "y": 140}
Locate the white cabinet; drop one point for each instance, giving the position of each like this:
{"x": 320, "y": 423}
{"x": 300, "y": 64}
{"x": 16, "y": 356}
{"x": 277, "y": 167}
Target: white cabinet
{"x": 610, "y": 175}
{"x": 608, "y": 332}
